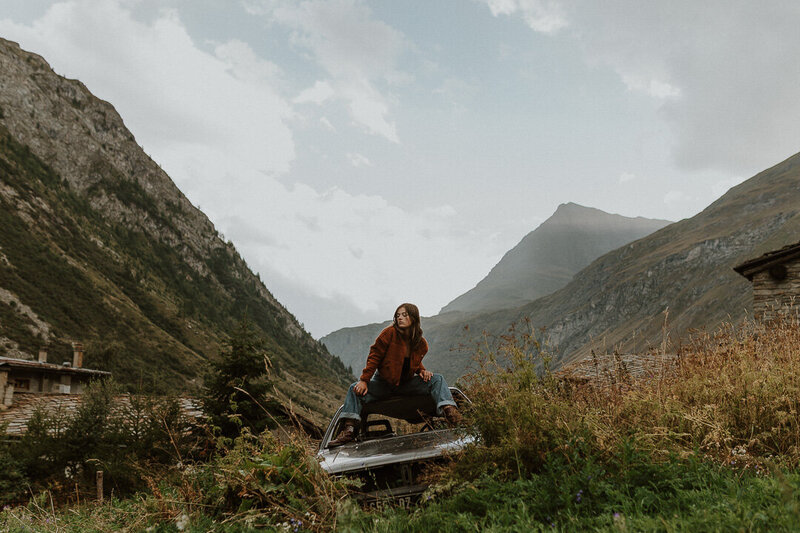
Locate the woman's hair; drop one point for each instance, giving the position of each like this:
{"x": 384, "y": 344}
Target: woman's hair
{"x": 415, "y": 333}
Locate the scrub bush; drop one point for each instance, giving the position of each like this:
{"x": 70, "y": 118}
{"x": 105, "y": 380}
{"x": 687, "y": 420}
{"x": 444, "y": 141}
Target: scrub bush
{"x": 61, "y": 451}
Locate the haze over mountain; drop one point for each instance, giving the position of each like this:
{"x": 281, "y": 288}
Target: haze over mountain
{"x": 543, "y": 261}
{"x": 546, "y": 258}
{"x": 98, "y": 245}
{"x": 677, "y": 279}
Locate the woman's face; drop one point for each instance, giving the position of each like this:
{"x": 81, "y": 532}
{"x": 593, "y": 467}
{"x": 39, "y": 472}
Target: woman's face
{"x": 402, "y": 318}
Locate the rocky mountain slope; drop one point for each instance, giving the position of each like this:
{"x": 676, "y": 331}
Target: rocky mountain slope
{"x": 98, "y": 245}
{"x": 677, "y": 279}
{"x": 546, "y": 258}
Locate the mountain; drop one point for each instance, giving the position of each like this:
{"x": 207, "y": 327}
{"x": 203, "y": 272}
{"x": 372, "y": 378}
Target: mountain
{"x": 546, "y": 258}
{"x": 656, "y": 289}
{"x": 543, "y": 261}
{"x": 97, "y": 244}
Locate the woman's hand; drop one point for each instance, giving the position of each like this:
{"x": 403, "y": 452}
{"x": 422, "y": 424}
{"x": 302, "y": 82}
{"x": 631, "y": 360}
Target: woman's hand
{"x": 426, "y": 375}
{"x": 360, "y": 388}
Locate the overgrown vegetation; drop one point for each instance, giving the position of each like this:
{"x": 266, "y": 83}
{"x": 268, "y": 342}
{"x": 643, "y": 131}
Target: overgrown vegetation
{"x": 237, "y": 386}
{"x": 730, "y": 396}
{"x": 130, "y": 438}
{"x": 710, "y": 445}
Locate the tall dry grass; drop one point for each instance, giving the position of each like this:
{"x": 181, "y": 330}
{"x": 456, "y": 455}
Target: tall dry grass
{"x": 731, "y": 396}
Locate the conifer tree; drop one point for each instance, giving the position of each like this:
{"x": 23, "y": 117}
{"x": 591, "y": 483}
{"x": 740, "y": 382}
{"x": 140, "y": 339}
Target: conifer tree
{"x": 236, "y": 386}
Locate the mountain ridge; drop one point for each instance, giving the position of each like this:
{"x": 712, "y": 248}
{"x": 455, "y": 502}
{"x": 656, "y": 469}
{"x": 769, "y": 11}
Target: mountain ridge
{"x": 159, "y": 287}
{"x": 650, "y": 293}
{"x": 547, "y": 257}
{"x": 676, "y": 280}
{"x": 543, "y": 261}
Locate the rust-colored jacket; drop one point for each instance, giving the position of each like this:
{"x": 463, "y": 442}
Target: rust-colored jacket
{"x": 386, "y": 356}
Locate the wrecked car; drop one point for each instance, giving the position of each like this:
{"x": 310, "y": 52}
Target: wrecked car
{"x": 397, "y": 439}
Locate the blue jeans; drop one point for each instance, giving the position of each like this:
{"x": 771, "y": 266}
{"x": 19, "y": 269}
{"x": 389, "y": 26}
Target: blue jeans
{"x": 379, "y": 389}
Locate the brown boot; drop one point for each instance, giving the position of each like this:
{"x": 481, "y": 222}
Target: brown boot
{"x": 452, "y": 415}
{"x": 347, "y": 434}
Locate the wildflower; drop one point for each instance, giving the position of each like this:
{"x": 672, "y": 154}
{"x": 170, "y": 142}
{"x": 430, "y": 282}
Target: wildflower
{"x": 579, "y": 496}
{"x": 182, "y": 522}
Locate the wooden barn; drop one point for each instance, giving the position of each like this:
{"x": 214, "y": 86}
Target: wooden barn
{"x": 776, "y": 282}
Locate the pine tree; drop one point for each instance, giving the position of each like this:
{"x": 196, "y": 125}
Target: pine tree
{"x": 236, "y": 386}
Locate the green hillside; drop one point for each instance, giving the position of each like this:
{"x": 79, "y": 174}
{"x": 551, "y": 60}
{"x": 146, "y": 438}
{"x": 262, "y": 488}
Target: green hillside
{"x": 710, "y": 443}
{"x": 98, "y": 245}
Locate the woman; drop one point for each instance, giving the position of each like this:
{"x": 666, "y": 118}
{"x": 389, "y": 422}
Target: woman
{"x": 394, "y": 367}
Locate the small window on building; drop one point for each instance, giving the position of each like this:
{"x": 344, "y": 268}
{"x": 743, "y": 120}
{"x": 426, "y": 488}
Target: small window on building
{"x": 777, "y": 272}
{"x": 22, "y": 384}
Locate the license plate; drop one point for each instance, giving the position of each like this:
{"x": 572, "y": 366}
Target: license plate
{"x": 403, "y": 502}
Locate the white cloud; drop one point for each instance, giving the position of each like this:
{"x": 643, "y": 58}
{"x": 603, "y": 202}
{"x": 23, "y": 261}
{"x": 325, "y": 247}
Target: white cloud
{"x": 625, "y": 177}
{"x": 652, "y": 87}
{"x": 675, "y": 197}
{"x": 218, "y": 124}
{"x": 356, "y": 245}
{"x": 358, "y": 160}
{"x": 729, "y": 85}
{"x": 173, "y": 96}
{"x": 327, "y": 124}
{"x": 356, "y": 50}
{"x": 245, "y": 65}
{"x": 544, "y": 16}
{"x": 443, "y": 211}
{"x": 318, "y": 94}
{"x": 724, "y": 71}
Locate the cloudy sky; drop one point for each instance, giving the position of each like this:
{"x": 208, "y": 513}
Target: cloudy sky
{"x": 365, "y": 153}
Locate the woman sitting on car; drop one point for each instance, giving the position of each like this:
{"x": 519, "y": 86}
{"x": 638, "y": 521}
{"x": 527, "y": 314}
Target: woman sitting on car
{"x": 394, "y": 368}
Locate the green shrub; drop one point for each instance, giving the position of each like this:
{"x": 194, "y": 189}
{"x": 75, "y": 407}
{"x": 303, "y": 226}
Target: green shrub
{"x": 236, "y": 386}
{"x": 13, "y": 481}
{"x": 129, "y": 440}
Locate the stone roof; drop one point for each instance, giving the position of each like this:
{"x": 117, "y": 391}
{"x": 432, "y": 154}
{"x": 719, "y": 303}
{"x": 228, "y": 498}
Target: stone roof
{"x": 12, "y": 362}
{"x": 752, "y": 267}
{"x": 24, "y": 405}
{"x": 609, "y": 369}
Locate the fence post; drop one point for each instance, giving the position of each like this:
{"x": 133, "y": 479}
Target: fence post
{"x": 99, "y": 481}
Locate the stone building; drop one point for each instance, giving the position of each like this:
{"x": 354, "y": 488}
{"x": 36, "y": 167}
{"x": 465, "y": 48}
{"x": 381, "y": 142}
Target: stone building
{"x": 21, "y": 376}
{"x": 776, "y": 282}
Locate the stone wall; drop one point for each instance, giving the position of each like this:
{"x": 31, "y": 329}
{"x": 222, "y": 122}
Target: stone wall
{"x": 776, "y": 291}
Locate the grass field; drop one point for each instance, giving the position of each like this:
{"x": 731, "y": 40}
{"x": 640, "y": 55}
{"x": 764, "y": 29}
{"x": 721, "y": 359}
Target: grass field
{"x": 711, "y": 446}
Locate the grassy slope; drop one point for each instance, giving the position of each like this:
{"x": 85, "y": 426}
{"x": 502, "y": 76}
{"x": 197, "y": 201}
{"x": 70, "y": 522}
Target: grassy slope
{"x": 712, "y": 446}
{"x": 141, "y": 311}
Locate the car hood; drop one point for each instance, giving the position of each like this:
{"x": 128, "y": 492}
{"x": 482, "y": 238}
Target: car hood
{"x": 392, "y": 450}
